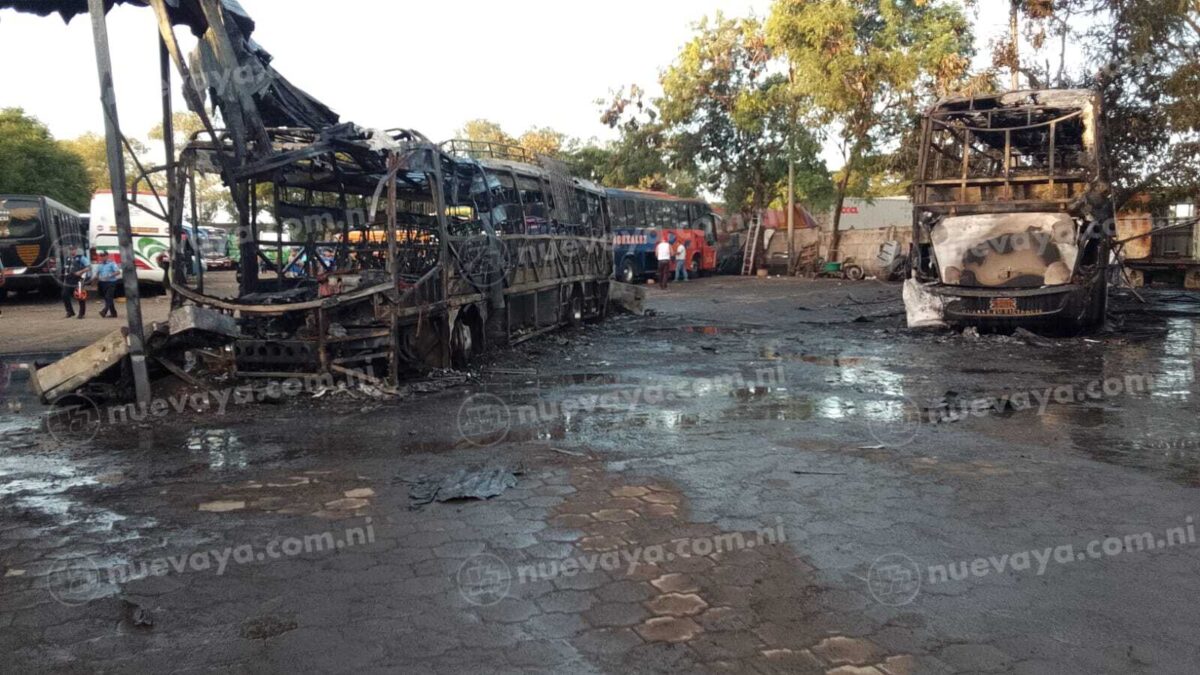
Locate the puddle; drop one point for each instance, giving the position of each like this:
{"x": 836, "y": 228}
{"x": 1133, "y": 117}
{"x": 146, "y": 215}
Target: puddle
{"x": 838, "y": 361}
{"x": 712, "y": 330}
{"x": 44, "y": 486}
{"x": 1165, "y": 457}
{"x": 582, "y": 379}
{"x": 779, "y": 406}
{"x": 222, "y": 448}
{"x": 18, "y": 406}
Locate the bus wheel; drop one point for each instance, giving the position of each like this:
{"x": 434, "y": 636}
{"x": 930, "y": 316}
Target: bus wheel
{"x": 575, "y": 309}
{"x": 462, "y": 343}
{"x": 695, "y": 272}
{"x": 466, "y": 338}
{"x": 628, "y": 271}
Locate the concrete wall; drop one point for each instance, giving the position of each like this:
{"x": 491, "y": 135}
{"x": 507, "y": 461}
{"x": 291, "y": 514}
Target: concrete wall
{"x": 861, "y": 245}
{"x": 859, "y": 214}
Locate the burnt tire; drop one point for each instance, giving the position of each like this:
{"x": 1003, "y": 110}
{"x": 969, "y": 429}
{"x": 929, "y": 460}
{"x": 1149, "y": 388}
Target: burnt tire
{"x": 694, "y": 271}
{"x": 575, "y": 309}
{"x": 463, "y": 343}
{"x": 854, "y": 272}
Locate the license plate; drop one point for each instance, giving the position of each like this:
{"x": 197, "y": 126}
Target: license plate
{"x": 1003, "y": 305}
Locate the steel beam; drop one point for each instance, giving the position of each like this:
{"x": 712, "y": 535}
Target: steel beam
{"x": 116, "y": 172}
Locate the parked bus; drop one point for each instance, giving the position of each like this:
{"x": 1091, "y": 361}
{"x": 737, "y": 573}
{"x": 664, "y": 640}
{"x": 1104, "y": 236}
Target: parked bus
{"x": 640, "y": 219}
{"x": 1012, "y": 219}
{"x": 491, "y": 247}
{"x": 36, "y": 234}
{"x": 214, "y": 248}
{"x": 151, "y": 236}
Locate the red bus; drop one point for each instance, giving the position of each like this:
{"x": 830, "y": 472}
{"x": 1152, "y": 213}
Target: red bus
{"x": 640, "y": 219}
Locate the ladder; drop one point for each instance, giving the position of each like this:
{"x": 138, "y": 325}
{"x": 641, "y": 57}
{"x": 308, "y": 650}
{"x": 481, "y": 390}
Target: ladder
{"x": 752, "y": 235}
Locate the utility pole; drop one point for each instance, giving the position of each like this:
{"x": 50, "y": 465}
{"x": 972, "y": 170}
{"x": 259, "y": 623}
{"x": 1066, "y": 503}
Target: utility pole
{"x": 791, "y": 215}
{"x": 791, "y": 190}
{"x": 116, "y": 172}
{"x": 1015, "y": 37}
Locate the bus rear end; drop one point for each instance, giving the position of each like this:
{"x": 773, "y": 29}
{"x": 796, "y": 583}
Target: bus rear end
{"x": 35, "y": 233}
{"x": 1012, "y": 217}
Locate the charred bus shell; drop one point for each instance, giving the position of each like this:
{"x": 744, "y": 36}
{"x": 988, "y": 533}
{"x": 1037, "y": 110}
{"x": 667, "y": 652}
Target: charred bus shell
{"x": 1012, "y": 214}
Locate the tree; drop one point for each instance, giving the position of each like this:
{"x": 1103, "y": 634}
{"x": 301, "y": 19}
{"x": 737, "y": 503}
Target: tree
{"x": 729, "y": 120}
{"x": 589, "y": 161}
{"x": 185, "y": 126}
{"x": 1146, "y": 65}
{"x": 639, "y": 157}
{"x": 543, "y": 141}
{"x": 32, "y": 162}
{"x": 485, "y": 131}
{"x": 1143, "y": 56}
{"x": 92, "y": 148}
{"x": 865, "y": 67}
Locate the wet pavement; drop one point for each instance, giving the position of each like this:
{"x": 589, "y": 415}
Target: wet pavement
{"x": 765, "y": 476}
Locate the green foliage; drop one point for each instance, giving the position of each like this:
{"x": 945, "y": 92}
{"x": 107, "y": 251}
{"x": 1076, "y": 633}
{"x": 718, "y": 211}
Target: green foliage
{"x": 1143, "y": 56}
{"x": 92, "y": 148}
{"x": 485, "y": 131}
{"x": 32, "y": 162}
{"x": 1146, "y": 59}
{"x": 865, "y": 68}
{"x": 184, "y": 124}
{"x": 728, "y": 119}
{"x": 543, "y": 141}
{"x": 590, "y": 162}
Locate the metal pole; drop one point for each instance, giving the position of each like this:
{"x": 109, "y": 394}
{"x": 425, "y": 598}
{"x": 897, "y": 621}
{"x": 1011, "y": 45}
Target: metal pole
{"x": 174, "y": 213}
{"x": 191, "y": 177}
{"x": 791, "y": 216}
{"x": 393, "y": 166}
{"x": 116, "y": 172}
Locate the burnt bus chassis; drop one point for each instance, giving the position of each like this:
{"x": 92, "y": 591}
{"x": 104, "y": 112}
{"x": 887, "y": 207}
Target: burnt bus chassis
{"x": 1080, "y": 190}
{"x": 450, "y": 283}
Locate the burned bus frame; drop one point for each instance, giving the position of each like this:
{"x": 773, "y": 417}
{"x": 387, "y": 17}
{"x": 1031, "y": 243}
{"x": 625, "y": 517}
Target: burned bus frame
{"x": 450, "y": 248}
{"x": 1023, "y": 173}
{"x": 433, "y": 297}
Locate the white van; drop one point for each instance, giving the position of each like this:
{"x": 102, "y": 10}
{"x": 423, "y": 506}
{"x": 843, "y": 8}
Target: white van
{"x": 151, "y": 237}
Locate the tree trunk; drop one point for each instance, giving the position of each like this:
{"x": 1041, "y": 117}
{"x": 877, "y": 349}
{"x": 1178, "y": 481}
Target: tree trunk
{"x": 1015, "y": 37}
{"x": 837, "y": 211}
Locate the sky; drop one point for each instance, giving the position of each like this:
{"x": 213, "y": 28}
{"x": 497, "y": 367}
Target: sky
{"x": 429, "y": 66}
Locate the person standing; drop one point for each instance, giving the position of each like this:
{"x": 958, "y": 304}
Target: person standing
{"x": 109, "y": 275}
{"x": 76, "y": 272}
{"x": 663, "y": 253}
{"x": 681, "y": 262}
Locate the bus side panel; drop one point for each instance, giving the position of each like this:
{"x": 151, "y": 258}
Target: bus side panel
{"x": 146, "y": 251}
{"x": 636, "y": 244}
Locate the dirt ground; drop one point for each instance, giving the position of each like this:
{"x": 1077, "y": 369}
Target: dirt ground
{"x": 35, "y": 324}
{"x": 763, "y": 476}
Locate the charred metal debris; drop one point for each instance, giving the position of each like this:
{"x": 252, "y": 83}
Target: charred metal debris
{"x": 387, "y": 251}
{"x": 1013, "y": 218}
